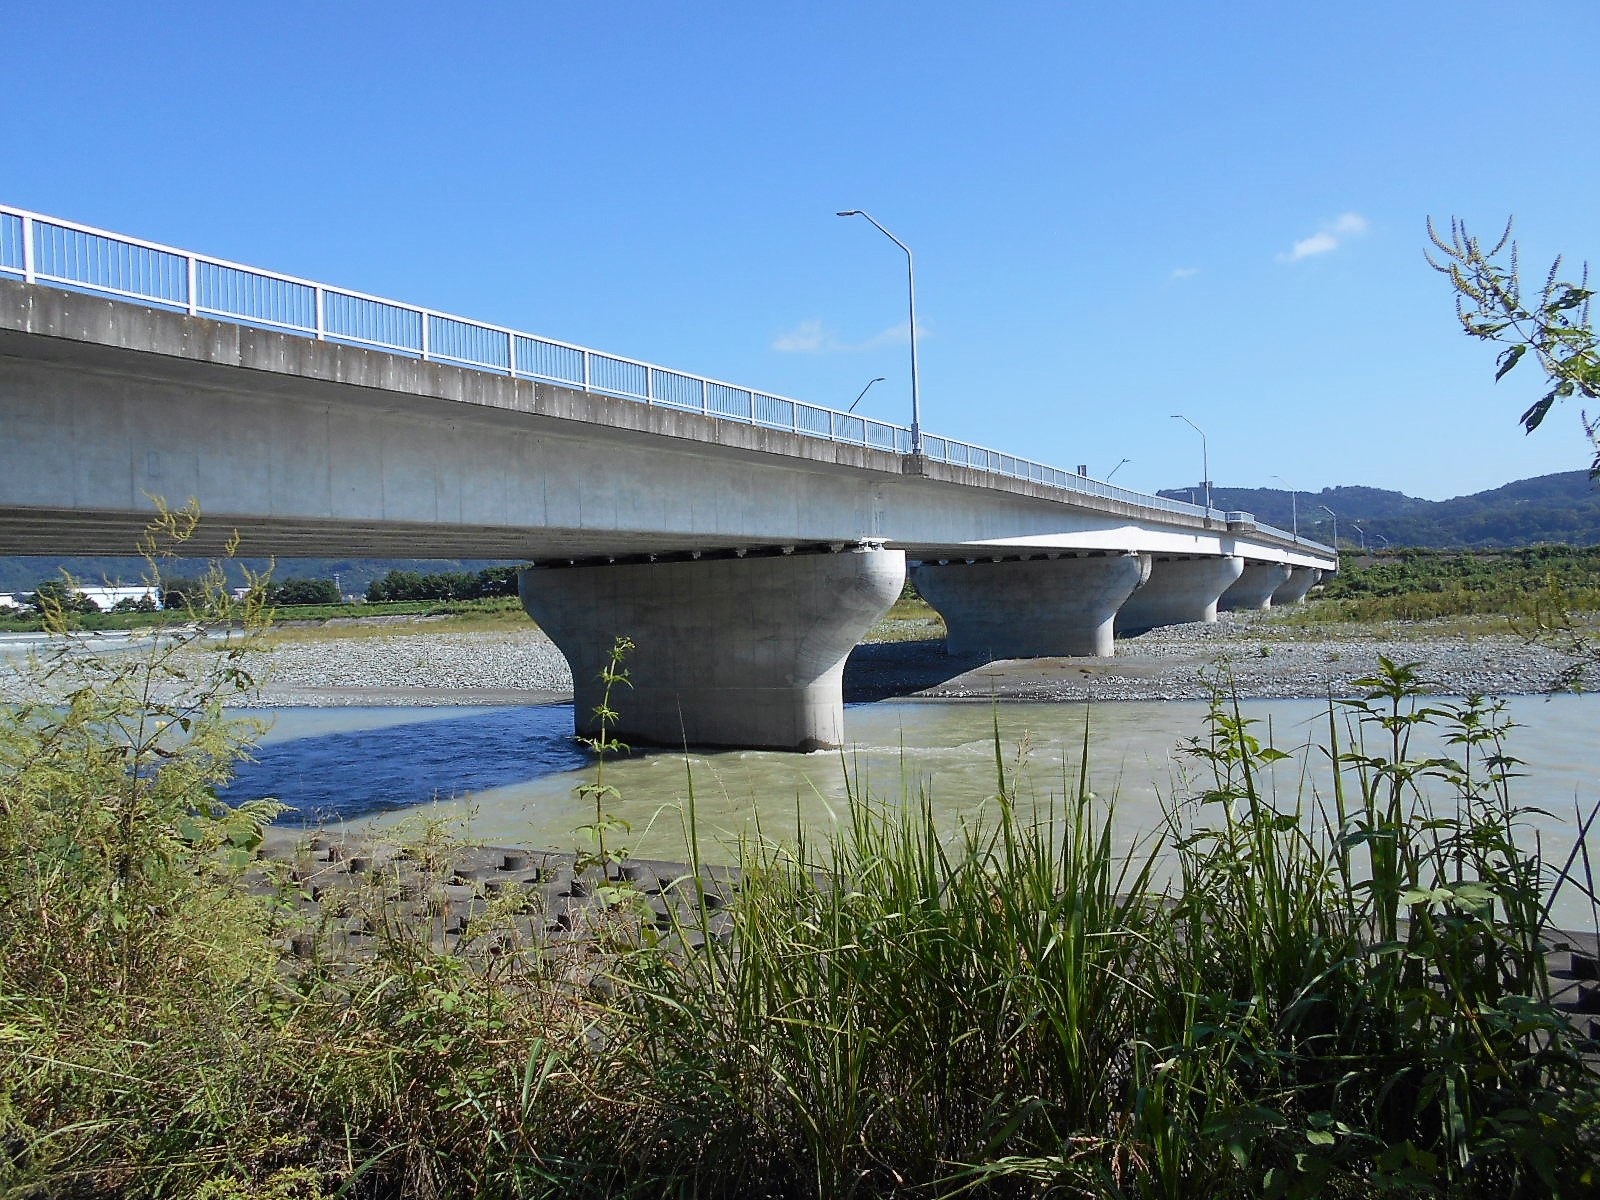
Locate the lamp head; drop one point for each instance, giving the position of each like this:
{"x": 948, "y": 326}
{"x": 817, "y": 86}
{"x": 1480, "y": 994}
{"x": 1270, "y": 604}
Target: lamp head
{"x": 854, "y": 212}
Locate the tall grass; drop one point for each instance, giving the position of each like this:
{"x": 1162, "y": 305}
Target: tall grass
{"x": 1341, "y": 994}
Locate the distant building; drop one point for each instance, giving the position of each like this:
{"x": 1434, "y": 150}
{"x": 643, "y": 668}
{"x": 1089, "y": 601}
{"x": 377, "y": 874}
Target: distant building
{"x": 108, "y": 597}
{"x": 11, "y": 600}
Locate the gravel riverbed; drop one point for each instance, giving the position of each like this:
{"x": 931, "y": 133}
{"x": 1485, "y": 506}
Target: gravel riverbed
{"x": 1265, "y": 658}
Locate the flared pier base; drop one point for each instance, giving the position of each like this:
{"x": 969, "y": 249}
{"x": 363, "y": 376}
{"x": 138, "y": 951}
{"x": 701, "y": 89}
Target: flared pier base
{"x": 1033, "y": 608}
{"x": 1300, "y": 581}
{"x": 1256, "y": 587}
{"x": 728, "y": 651}
{"x": 1178, "y": 591}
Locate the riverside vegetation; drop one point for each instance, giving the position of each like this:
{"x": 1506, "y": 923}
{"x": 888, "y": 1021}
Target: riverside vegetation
{"x": 1344, "y": 994}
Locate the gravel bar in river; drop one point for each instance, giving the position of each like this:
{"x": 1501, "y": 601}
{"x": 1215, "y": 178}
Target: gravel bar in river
{"x": 1266, "y": 659}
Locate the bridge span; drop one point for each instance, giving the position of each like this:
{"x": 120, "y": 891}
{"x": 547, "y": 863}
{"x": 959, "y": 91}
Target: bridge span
{"x": 745, "y": 542}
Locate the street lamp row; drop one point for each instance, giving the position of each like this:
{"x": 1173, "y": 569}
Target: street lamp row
{"x": 916, "y": 396}
{"x": 911, "y": 305}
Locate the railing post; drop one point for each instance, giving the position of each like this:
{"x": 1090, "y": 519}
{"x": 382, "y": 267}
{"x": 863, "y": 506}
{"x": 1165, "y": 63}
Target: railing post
{"x": 511, "y": 353}
{"x": 752, "y": 394}
{"x": 321, "y": 318}
{"x": 649, "y": 384}
{"x": 27, "y": 250}
{"x": 193, "y": 285}
{"x": 424, "y": 314}
{"x": 705, "y": 397}
{"x": 585, "y": 356}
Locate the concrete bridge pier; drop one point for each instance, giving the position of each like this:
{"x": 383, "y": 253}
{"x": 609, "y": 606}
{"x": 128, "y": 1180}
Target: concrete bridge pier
{"x": 1031, "y": 608}
{"x": 1294, "y": 589}
{"x": 1256, "y": 587}
{"x": 731, "y": 651}
{"x": 1178, "y": 591}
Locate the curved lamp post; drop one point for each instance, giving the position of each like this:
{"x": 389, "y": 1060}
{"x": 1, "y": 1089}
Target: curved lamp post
{"x": 911, "y": 308}
{"x": 857, "y": 400}
{"x": 1294, "y": 507}
{"x": 1335, "y": 517}
{"x": 1115, "y": 469}
{"x": 1205, "y": 463}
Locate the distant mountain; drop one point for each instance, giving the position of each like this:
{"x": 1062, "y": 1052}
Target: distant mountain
{"x": 353, "y": 574}
{"x": 1561, "y": 508}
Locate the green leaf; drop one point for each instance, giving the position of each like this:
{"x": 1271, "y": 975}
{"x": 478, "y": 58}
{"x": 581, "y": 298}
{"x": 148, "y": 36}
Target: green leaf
{"x": 1535, "y": 415}
{"x": 1509, "y": 358}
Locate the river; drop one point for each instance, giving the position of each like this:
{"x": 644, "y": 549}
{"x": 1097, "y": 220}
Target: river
{"x": 510, "y": 775}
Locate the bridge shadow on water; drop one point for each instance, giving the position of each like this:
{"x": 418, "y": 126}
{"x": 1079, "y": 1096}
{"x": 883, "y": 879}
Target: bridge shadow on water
{"x": 421, "y": 756}
{"x": 885, "y": 670}
{"x": 345, "y": 774}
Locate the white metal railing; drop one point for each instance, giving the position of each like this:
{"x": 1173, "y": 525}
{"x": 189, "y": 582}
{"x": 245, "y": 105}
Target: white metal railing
{"x": 44, "y": 249}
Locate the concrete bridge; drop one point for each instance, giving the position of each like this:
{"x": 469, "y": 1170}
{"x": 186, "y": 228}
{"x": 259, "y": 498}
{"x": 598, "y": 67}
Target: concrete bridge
{"x": 745, "y": 542}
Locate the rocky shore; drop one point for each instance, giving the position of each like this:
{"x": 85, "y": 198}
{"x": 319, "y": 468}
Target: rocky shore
{"x": 1265, "y": 658}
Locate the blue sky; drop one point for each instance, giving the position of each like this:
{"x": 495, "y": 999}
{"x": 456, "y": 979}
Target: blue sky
{"x": 1118, "y": 212}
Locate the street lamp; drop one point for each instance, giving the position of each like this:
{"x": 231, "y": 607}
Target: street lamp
{"x": 1335, "y": 517}
{"x": 1363, "y": 534}
{"x": 911, "y": 308}
{"x": 1294, "y": 509}
{"x": 1205, "y": 462}
{"x": 1115, "y": 469}
{"x": 857, "y": 400}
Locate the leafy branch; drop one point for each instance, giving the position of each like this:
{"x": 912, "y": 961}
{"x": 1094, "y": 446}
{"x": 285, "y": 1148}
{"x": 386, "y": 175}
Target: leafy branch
{"x": 1554, "y": 325}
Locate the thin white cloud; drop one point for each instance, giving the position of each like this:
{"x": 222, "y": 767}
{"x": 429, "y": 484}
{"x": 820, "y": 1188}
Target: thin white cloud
{"x": 1328, "y": 238}
{"x": 1184, "y": 273}
{"x": 808, "y": 337}
{"x": 812, "y": 336}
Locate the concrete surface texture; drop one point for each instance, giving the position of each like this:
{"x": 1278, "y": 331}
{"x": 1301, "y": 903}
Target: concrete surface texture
{"x": 727, "y": 651}
{"x": 1178, "y": 591}
{"x": 1293, "y": 590}
{"x": 1255, "y": 587}
{"x": 1033, "y": 608}
{"x": 313, "y": 448}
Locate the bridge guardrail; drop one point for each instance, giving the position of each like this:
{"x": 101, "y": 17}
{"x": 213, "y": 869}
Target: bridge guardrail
{"x": 44, "y": 249}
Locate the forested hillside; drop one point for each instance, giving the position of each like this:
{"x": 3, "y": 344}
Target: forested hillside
{"x": 1561, "y": 508}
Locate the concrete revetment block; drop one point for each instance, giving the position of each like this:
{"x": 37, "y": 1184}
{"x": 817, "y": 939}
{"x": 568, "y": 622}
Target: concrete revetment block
{"x": 1255, "y": 587}
{"x": 1179, "y": 590}
{"x": 1031, "y": 609}
{"x": 727, "y": 652}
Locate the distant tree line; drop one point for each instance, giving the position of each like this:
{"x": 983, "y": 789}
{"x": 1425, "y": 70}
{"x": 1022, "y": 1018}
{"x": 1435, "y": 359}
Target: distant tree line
{"x": 187, "y": 593}
{"x": 450, "y": 585}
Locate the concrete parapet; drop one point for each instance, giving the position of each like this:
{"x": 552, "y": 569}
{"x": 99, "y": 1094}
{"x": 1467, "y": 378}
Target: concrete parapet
{"x": 1301, "y": 580}
{"x": 727, "y": 651}
{"x": 1031, "y": 608}
{"x": 1256, "y": 586}
{"x": 1179, "y": 590}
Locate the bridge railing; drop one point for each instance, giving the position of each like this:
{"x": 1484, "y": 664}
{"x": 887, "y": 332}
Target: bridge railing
{"x": 44, "y": 249}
